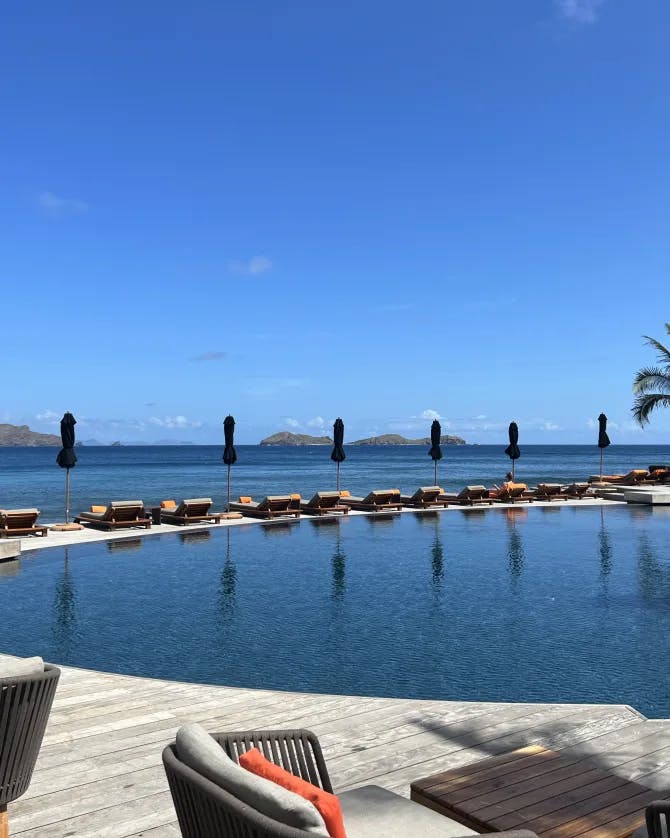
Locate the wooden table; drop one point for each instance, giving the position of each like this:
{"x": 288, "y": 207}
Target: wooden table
{"x": 552, "y": 794}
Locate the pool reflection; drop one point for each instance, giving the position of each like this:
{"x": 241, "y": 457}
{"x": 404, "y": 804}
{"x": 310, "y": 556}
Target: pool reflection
{"x": 65, "y": 611}
{"x": 515, "y": 551}
{"x": 228, "y": 584}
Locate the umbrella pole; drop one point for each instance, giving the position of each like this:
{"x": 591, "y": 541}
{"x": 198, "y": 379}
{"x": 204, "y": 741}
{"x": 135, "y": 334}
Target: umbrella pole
{"x": 67, "y": 495}
{"x": 435, "y": 481}
{"x": 338, "y": 477}
{"x": 601, "y": 465}
{"x": 228, "y": 507}
{"x": 512, "y": 471}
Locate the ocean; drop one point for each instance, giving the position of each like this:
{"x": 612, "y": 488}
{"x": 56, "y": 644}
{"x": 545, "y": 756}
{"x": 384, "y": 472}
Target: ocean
{"x": 30, "y": 476}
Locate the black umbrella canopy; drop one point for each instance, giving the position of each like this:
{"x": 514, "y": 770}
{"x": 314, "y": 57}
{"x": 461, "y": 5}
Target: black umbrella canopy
{"x": 603, "y": 439}
{"x": 66, "y": 457}
{"x": 435, "y": 439}
{"x": 338, "y": 455}
{"x": 229, "y": 453}
{"x": 513, "y": 451}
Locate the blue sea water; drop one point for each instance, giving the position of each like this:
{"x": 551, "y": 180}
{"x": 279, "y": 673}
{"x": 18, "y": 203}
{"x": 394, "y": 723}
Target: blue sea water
{"x": 30, "y": 476}
{"x": 526, "y": 604}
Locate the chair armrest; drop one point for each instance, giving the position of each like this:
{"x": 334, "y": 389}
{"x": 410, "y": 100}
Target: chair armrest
{"x": 653, "y": 814}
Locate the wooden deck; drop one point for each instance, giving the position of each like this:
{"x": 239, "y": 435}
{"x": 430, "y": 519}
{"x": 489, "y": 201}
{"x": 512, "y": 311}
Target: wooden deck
{"x": 100, "y": 773}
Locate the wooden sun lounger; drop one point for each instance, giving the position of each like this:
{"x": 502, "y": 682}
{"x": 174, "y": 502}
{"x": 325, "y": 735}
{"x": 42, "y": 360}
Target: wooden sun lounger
{"x": 517, "y": 493}
{"x": 377, "y": 501}
{"x": 119, "y": 514}
{"x": 469, "y": 496}
{"x": 634, "y": 476}
{"x": 272, "y": 506}
{"x": 424, "y": 498}
{"x": 576, "y": 490}
{"x": 20, "y": 522}
{"x": 190, "y": 511}
{"x": 549, "y": 492}
{"x": 324, "y": 503}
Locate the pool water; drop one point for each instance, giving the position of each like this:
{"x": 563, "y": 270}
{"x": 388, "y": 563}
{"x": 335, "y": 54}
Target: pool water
{"x": 545, "y": 604}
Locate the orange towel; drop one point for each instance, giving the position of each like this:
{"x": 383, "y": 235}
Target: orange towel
{"x": 245, "y": 498}
{"x": 345, "y": 493}
{"x": 96, "y": 508}
{"x": 168, "y": 504}
{"x": 295, "y": 496}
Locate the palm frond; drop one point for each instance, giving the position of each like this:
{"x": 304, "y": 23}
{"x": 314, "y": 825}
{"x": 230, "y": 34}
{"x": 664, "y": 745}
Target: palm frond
{"x": 663, "y": 351}
{"x": 645, "y": 404}
{"x": 650, "y": 379}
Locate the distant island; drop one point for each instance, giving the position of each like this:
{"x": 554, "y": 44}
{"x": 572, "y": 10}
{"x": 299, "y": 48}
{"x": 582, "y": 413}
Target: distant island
{"x": 397, "y": 439}
{"x": 288, "y": 438}
{"x": 21, "y": 435}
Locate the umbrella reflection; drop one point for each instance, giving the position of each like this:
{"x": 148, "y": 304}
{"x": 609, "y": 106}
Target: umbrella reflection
{"x": 228, "y": 586}
{"x": 515, "y": 552}
{"x": 339, "y": 566}
{"x": 604, "y": 548}
{"x": 64, "y": 611}
{"x": 437, "y": 559}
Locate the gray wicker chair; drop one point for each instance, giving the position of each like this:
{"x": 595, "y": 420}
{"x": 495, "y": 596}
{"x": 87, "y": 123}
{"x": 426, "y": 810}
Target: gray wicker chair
{"x": 657, "y": 821}
{"x": 25, "y": 704}
{"x": 206, "y": 810}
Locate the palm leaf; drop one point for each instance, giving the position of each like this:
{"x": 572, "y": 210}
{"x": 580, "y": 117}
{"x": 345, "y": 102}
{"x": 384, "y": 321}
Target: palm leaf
{"x": 649, "y": 379}
{"x": 663, "y": 351}
{"x": 645, "y": 404}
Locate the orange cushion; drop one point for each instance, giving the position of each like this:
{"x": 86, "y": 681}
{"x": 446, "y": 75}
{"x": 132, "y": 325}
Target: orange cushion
{"x": 295, "y": 496}
{"x": 327, "y": 804}
{"x": 245, "y": 498}
{"x": 345, "y": 493}
{"x": 168, "y": 504}
{"x": 95, "y": 508}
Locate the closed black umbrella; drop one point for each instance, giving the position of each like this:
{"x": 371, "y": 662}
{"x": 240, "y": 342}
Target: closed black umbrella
{"x": 229, "y": 453}
{"x": 66, "y": 458}
{"x": 513, "y": 451}
{"x": 337, "y": 455}
{"x": 603, "y": 440}
{"x": 435, "y": 439}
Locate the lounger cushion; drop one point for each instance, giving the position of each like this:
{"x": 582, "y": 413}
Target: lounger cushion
{"x": 327, "y": 804}
{"x": 245, "y": 498}
{"x": 123, "y": 504}
{"x": 98, "y": 508}
{"x": 168, "y": 504}
{"x": 345, "y": 493}
{"x": 31, "y": 511}
{"x": 188, "y": 501}
{"x": 374, "y": 812}
{"x": 21, "y": 667}
{"x": 201, "y": 752}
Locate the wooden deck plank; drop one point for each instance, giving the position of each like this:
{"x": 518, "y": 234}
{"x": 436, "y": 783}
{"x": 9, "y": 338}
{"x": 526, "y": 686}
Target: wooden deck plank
{"x": 107, "y": 732}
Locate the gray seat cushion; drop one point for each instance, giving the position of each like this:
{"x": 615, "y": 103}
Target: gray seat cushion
{"x": 201, "y": 752}
{"x": 374, "y": 812}
{"x": 21, "y": 667}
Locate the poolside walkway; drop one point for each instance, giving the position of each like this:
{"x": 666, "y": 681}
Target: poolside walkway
{"x": 100, "y": 773}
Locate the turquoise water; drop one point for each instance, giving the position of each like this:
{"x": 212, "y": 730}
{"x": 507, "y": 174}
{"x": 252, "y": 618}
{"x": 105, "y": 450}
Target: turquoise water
{"x": 530, "y": 604}
{"x": 30, "y": 476}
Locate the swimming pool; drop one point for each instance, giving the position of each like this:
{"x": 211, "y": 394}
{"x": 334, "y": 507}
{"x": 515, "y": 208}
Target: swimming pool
{"x": 529, "y": 604}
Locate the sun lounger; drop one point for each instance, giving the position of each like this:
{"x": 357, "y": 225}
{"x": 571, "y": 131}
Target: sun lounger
{"x": 633, "y": 477}
{"x": 272, "y": 506}
{"x": 657, "y": 475}
{"x": 20, "y": 522}
{"x": 190, "y": 511}
{"x": 324, "y": 503}
{"x": 512, "y": 493}
{"x": 468, "y": 496}
{"x": 549, "y": 492}
{"x": 424, "y": 498}
{"x": 576, "y": 490}
{"x": 118, "y": 515}
{"x": 377, "y": 501}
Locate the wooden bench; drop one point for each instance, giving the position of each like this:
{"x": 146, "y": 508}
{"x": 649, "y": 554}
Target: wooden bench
{"x": 554, "y": 795}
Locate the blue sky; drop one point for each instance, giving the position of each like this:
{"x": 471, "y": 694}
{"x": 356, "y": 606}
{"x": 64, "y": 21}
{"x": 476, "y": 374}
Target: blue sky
{"x": 295, "y": 210}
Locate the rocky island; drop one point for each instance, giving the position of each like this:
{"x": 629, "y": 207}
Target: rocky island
{"x": 21, "y": 435}
{"x": 397, "y": 439}
{"x": 287, "y": 438}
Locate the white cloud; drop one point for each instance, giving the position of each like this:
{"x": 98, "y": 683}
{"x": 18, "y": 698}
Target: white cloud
{"x": 49, "y": 416}
{"x": 174, "y": 422}
{"x": 212, "y": 355}
{"x": 57, "y": 205}
{"x": 292, "y": 423}
{"x": 480, "y": 418}
{"x": 580, "y": 11}
{"x": 255, "y": 266}
{"x": 550, "y": 426}
{"x": 317, "y": 422}
{"x": 429, "y": 414}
